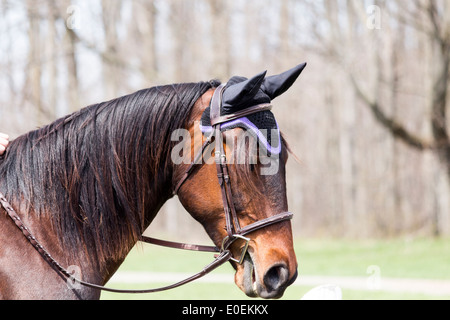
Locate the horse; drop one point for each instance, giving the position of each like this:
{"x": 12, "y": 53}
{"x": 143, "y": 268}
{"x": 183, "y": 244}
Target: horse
{"x": 89, "y": 184}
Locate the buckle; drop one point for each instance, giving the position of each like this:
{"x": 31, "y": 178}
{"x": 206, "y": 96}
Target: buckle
{"x": 244, "y": 248}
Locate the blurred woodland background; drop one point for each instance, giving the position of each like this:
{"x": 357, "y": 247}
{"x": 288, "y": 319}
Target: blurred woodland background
{"x": 367, "y": 118}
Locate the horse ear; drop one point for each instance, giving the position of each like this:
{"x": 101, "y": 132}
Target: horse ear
{"x": 275, "y": 86}
{"x": 238, "y": 94}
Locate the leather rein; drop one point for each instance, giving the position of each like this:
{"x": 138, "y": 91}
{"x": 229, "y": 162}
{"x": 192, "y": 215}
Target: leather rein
{"x": 233, "y": 228}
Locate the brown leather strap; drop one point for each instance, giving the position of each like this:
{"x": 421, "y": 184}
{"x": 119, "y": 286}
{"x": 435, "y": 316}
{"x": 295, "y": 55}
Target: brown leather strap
{"x": 251, "y": 110}
{"x": 221, "y": 165}
{"x": 216, "y": 102}
{"x": 222, "y": 258}
{"x": 284, "y": 216}
{"x": 29, "y": 236}
{"x": 229, "y": 195}
{"x": 178, "y": 245}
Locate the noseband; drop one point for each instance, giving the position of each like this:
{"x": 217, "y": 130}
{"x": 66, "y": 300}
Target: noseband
{"x": 234, "y": 230}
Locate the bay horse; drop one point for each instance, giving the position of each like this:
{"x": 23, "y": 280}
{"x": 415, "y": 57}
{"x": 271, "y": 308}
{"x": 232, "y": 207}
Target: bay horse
{"x": 90, "y": 183}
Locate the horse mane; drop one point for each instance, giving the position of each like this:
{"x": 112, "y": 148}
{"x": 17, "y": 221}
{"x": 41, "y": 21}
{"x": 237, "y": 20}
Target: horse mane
{"x": 101, "y": 173}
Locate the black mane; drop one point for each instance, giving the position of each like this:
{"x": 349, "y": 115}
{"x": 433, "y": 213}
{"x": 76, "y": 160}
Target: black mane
{"x": 103, "y": 172}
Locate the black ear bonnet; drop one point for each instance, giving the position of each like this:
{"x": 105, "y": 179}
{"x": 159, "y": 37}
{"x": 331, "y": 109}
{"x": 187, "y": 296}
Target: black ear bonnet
{"x": 241, "y": 93}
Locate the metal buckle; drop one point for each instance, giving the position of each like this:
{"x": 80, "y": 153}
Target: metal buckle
{"x": 244, "y": 248}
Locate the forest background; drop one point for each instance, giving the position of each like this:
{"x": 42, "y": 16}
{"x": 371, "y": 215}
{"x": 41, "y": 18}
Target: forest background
{"x": 367, "y": 118}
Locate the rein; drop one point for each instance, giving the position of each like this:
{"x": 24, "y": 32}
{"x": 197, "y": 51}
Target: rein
{"x": 234, "y": 230}
{"x": 219, "y": 260}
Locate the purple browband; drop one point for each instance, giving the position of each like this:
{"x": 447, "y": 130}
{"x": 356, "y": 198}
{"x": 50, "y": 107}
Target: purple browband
{"x": 249, "y": 125}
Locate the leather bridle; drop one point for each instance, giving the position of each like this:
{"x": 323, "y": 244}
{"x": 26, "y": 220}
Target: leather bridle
{"x": 234, "y": 230}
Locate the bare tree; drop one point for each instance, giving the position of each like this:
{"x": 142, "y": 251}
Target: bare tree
{"x": 143, "y": 28}
{"x": 34, "y": 60}
{"x": 110, "y": 61}
{"x": 70, "y": 47}
{"x": 220, "y": 37}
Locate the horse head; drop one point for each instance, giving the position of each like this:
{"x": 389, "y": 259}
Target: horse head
{"x": 256, "y": 156}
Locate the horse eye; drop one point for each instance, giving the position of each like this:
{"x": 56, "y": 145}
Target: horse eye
{"x": 252, "y": 167}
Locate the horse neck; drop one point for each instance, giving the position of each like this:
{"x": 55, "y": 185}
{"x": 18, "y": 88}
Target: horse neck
{"x": 95, "y": 182}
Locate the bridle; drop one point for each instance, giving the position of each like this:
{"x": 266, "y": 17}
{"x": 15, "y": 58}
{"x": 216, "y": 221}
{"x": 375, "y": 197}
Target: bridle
{"x": 234, "y": 230}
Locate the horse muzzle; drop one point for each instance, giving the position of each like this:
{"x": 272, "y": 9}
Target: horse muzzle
{"x": 270, "y": 285}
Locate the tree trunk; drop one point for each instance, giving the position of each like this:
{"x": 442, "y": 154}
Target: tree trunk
{"x": 143, "y": 27}
{"x": 34, "y": 60}
{"x": 220, "y": 38}
{"x": 110, "y": 65}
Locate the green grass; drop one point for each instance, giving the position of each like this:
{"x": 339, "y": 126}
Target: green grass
{"x": 418, "y": 258}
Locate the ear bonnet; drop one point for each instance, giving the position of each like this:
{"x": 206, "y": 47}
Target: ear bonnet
{"x": 241, "y": 93}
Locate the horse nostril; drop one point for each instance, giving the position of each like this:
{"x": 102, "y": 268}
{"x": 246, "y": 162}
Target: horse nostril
{"x": 276, "y": 277}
